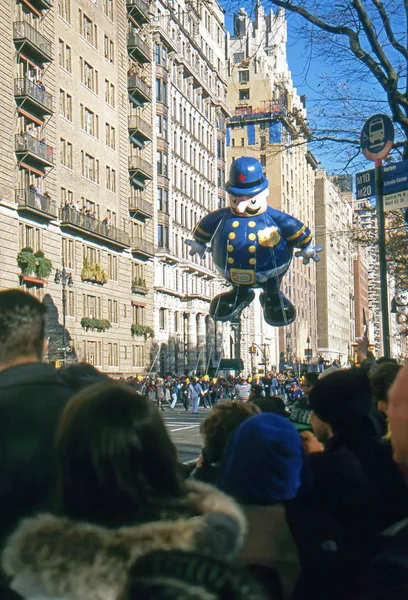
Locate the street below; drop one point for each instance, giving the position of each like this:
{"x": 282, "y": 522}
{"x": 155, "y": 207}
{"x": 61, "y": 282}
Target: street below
{"x": 184, "y": 429}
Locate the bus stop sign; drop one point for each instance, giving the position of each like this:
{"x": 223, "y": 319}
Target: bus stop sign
{"x": 377, "y": 137}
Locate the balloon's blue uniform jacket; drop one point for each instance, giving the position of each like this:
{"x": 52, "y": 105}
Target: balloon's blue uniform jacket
{"x": 249, "y": 250}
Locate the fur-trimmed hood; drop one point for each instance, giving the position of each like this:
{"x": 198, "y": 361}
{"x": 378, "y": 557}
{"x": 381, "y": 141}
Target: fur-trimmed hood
{"x": 51, "y": 557}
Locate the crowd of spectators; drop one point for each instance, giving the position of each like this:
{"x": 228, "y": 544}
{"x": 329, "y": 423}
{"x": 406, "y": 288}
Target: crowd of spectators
{"x": 300, "y": 492}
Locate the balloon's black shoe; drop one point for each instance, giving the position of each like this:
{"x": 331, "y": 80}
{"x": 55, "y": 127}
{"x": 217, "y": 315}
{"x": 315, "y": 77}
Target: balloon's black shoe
{"x": 278, "y": 310}
{"x": 229, "y": 305}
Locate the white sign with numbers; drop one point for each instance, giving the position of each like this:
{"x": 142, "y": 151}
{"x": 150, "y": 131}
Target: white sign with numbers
{"x": 396, "y": 201}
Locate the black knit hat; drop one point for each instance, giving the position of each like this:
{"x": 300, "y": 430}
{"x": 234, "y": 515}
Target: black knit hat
{"x": 161, "y": 573}
{"x": 341, "y": 396}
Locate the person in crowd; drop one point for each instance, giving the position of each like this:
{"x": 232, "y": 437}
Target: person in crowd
{"x": 120, "y": 496}
{"x": 160, "y": 395}
{"x": 32, "y": 397}
{"x": 216, "y": 430}
{"x": 178, "y": 575}
{"x": 300, "y": 410}
{"x": 194, "y": 393}
{"x": 80, "y": 375}
{"x": 242, "y": 390}
{"x": 355, "y": 477}
{"x": 274, "y": 404}
{"x": 381, "y": 381}
{"x": 262, "y": 468}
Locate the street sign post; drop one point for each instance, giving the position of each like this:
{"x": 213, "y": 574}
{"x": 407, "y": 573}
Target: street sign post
{"x": 365, "y": 184}
{"x": 377, "y": 138}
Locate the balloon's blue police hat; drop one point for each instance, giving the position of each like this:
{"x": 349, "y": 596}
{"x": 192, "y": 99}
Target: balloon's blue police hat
{"x": 246, "y": 177}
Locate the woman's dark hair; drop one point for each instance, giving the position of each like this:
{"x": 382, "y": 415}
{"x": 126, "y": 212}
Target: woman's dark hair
{"x": 80, "y": 375}
{"x": 115, "y": 458}
{"x": 382, "y": 379}
{"x": 201, "y": 577}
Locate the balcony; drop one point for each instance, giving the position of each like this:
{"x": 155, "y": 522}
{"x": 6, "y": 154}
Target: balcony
{"x": 140, "y": 209}
{"x": 30, "y": 201}
{"x": 140, "y": 132}
{"x": 140, "y": 171}
{"x": 35, "y": 151}
{"x": 85, "y": 224}
{"x": 142, "y": 247}
{"x": 139, "y": 10}
{"x": 35, "y": 45}
{"x": 138, "y": 49}
{"x": 28, "y": 93}
{"x": 163, "y": 27}
{"x": 140, "y": 93}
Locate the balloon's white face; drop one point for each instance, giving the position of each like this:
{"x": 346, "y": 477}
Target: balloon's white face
{"x": 249, "y": 206}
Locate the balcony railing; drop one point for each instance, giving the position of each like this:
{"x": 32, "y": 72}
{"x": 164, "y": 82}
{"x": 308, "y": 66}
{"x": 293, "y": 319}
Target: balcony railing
{"x": 138, "y": 87}
{"x": 163, "y": 25}
{"x": 78, "y": 220}
{"x": 24, "y": 88}
{"x": 26, "y": 143}
{"x": 137, "y": 164}
{"x": 137, "y": 45}
{"x": 139, "y": 9}
{"x": 140, "y": 206}
{"x": 141, "y": 246}
{"x": 135, "y": 123}
{"x": 24, "y": 33}
{"x": 31, "y": 200}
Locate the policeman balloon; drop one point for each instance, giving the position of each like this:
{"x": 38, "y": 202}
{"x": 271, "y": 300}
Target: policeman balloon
{"x": 252, "y": 246}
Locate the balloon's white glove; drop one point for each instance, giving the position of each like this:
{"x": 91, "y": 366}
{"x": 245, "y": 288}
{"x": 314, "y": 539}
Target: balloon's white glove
{"x": 310, "y": 252}
{"x": 196, "y": 248}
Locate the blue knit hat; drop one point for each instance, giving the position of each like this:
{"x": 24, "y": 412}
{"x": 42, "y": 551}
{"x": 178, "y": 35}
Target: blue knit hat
{"x": 263, "y": 461}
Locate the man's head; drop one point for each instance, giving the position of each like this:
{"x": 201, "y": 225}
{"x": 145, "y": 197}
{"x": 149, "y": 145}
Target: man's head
{"x": 22, "y": 327}
{"x": 337, "y": 400}
{"x": 398, "y": 416}
{"x": 308, "y": 381}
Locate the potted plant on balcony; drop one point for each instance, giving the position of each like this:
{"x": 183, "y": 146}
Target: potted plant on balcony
{"x": 95, "y": 324}
{"x": 27, "y": 261}
{"x": 86, "y": 273}
{"x": 139, "y": 285}
{"x": 93, "y": 272}
{"x": 43, "y": 265}
{"x": 142, "y": 330}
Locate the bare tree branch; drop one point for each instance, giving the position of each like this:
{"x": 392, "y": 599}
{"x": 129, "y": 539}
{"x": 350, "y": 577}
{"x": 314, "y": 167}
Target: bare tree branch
{"x": 388, "y": 29}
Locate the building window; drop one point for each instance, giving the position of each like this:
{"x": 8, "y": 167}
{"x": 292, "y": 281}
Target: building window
{"x": 244, "y": 94}
{"x": 113, "y": 311}
{"x": 113, "y": 267}
{"x": 110, "y": 136}
{"x": 161, "y": 90}
{"x": 108, "y": 9}
{"x": 263, "y": 160}
{"x": 66, "y": 153}
{"x": 138, "y": 315}
{"x": 88, "y": 29}
{"x": 163, "y": 200}
{"x": 111, "y": 179}
{"x": 89, "y": 75}
{"x": 163, "y": 236}
{"x": 109, "y": 93}
{"x": 163, "y": 313}
{"x": 238, "y": 57}
{"x": 29, "y": 237}
{"x": 138, "y": 356}
{"x": 161, "y": 127}
{"x": 65, "y": 56}
{"x": 109, "y": 49}
{"x": 162, "y": 163}
{"x": 64, "y": 10}
{"x": 89, "y": 121}
{"x": 113, "y": 355}
{"x": 243, "y": 76}
{"x": 90, "y": 167}
{"x": 65, "y": 105}
{"x": 68, "y": 253}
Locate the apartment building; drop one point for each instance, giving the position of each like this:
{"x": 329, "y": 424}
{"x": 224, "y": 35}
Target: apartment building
{"x": 189, "y": 174}
{"x": 269, "y": 122}
{"x": 76, "y": 159}
{"x": 337, "y": 309}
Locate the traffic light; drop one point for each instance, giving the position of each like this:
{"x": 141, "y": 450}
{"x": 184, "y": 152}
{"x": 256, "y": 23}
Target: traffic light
{"x": 252, "y": 349}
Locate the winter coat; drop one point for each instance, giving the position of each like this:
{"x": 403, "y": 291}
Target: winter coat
{"x": 270, "y": 543}
{"x": 32, "y": 397}
{"x": 54, "y": 558}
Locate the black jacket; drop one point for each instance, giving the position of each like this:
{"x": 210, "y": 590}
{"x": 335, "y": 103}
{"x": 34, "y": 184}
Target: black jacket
{"x": 32, "y": 397}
